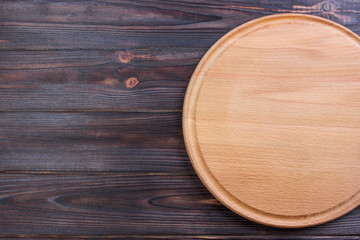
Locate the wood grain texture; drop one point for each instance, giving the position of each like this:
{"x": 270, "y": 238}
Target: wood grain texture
{"x": 178, "y": 237}
{"x": 124, "y": 204}
{"x": 134, "y": 24}
{"x": 98, "y": 87}
{"x": 92, "y": 141}
{"x": 271, "y": 120}
{"x": 96, "y": 79}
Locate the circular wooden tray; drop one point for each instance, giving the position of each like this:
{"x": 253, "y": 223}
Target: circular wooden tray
{"x": 272, "y": 120}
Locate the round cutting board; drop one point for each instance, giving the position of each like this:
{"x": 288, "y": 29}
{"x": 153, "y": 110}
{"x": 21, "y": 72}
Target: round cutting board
{"x": 271, "y": 120}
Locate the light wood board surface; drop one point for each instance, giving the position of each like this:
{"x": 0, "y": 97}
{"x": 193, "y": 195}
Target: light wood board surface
{"x": 272, "y": 120}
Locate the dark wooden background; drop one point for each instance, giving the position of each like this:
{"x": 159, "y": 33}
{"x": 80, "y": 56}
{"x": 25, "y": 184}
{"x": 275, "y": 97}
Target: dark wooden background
{"x": 91, "y": 96}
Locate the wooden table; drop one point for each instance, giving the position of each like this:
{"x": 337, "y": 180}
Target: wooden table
{"x": 91, "y": 101}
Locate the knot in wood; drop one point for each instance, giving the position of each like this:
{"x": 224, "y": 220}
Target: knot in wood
{"x": 125, "y": 56}
{"x": 326, "y": 7}
{"x": 131, "y": 82}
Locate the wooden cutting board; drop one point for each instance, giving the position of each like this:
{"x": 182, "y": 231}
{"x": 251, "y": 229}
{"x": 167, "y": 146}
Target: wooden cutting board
{"x": 272, "y": 120}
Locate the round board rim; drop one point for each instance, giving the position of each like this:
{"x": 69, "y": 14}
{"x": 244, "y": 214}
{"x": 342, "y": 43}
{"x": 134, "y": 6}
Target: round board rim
{"x": 194, "y": 151}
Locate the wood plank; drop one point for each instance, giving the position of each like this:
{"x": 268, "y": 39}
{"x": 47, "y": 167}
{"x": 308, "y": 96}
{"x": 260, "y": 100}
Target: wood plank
{"x": 131, "y": 24}
{"x": 124, "y": 79}
{"x": 118, "y": 204}
{"x": 92, "y": 141}
{"x": 176, "y": 237}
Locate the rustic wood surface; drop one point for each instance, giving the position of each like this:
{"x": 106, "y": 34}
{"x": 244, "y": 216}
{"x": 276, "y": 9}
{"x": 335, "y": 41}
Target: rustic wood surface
{"x": 91, "y": 143}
